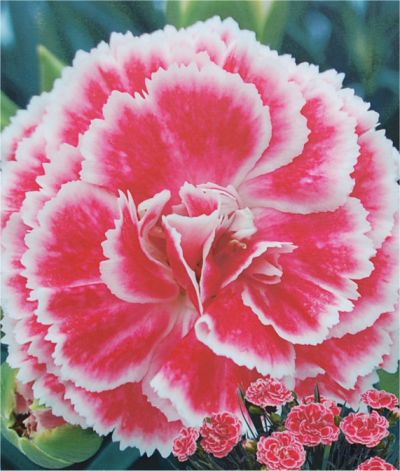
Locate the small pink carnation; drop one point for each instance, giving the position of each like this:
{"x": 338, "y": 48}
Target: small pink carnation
{"x": 281, "y": 450}
{"x": 336, "y": 410}
{"x": 375, "y": 463}
{"x": 268, "y": 392}
{"x": 185, "y": 443}
{"x": 312, "y": 424}
{"x": 380, "y": 399}
{"x": 367, "y": 429}
{"x": 220, "y": 433}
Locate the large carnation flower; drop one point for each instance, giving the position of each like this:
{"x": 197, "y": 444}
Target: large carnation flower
{"x": 185, "y": 211}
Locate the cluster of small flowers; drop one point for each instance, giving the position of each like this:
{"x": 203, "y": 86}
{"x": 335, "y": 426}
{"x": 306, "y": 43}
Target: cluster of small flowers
{"x": 286, "y": 443}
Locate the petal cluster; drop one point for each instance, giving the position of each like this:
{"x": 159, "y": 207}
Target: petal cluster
{"x": 281, "y": 450}
{"x": 312, "y": 424}
{"x": 367, "y": 429}
{"x": 375, "y": 463}
{"x": 185, "y": 212}
{"x": 268, "y": 392}
{"x": 185, "y": 443}
{"x": 220, "y": 434}
{"x": 380, "y": 399}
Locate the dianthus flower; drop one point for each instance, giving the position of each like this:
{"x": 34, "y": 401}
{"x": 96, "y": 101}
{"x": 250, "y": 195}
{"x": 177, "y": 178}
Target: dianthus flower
{"x": 375, "y": 463}
{"x": 336, "y": 410}
{"x": 185, "y": 443}
{"x": 312, "y": 424}
{"x": 380, "y": 399}
{"x": 268, "y": 392}
{"x": 280, "y": 451}
{"x": 184, "y": 212}
{"x": 220, "y": 434}
{"x": 367, "y": 429}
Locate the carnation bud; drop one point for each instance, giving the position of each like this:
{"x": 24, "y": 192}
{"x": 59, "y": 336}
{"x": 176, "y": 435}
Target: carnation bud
{"x": 255, "y": 410}
{"x": 337, "y": 420}
{"x": 275, "y": 419}
{"x": 250, "y": 445}
{"x": 44, "y": 438}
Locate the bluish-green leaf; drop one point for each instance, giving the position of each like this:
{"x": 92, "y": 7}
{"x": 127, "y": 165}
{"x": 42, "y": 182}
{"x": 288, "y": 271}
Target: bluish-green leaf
{"x": 8, "y": 110}
{"x": 50, "y": 68}
{"x": 389, "y": 381}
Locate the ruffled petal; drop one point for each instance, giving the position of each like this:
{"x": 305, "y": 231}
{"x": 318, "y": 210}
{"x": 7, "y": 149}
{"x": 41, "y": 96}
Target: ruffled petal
{"x": 101, "y": 341}
{"x": 340, "y": 358}
{"x": 127, "y": 412}
{"x": 378, "y": 292}
{"x": 65, "y": 249}
{"x": 129, "y": 272}
{"x": 231, "y": 329}
{"x": 198, "y": 382}
{"x": 375, "y": 177}
{"x": 324, "y": 166}
{"x": 232, "y": 129}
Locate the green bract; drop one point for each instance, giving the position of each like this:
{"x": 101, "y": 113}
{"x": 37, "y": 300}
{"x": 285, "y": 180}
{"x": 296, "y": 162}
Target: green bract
{"x": 55, "y": 448}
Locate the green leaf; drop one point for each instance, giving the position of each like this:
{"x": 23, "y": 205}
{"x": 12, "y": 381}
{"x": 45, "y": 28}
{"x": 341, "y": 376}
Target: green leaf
{"x": 111, "y": 457}
{"x": 245, "y": 12}
{"x": 8, "y": 110}
{"x": 389, "y": 381}
{"x": 7, "y": 391}
{"x": 274, "y": 26}
{"x": 50, "y": 68}
{"x": 68, "y": 443}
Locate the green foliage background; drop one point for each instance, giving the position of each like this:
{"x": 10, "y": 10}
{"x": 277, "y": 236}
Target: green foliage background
{"x": 357, "y": 37}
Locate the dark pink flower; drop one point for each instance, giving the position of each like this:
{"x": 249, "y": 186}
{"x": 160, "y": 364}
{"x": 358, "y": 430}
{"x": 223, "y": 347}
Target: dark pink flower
{"x": 185, "y": 212}
{"x": 185, "y": 443}
{"x": 312, "y": 424}
{"x": 380, "y": 399}
{"x": 336, "y": 410}
{"x": 375, "y": 463}
{"x": 220, "y": 434}
{"x": 281, "y": 450}
{"x": 268, "y": 392}
{"x": 367, "y": 429}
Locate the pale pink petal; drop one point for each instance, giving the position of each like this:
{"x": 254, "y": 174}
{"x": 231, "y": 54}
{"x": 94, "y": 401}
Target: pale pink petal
{"x": 375, "y": 177}
{"x": 126, "y": 412}
{"x": 102, "y": 342}
{"x": 231, "y": 329}
{"x": 128, "y": 271}
{"x": 73, "y": 223}
{"x": 198, "y": 382}
{"x": 357, "y": 108}
{"x": 183, "y": 274}
{"x": 324, "y": 166}
{"x": 231, "y": 131}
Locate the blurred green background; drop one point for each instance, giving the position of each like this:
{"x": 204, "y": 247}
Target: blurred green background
{"x": 359, "y": 38}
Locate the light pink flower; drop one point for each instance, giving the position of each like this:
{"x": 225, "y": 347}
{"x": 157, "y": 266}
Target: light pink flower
{"x": 220, "y": 434}
{"x": 185, "y": 443}
{"x": 331, "y": 405}
{"x": 367, "y": 429}
{"x": 281, "y": 450}
{"x": 380, "y": 399}
{"x": 312, "y": 424}
{"x": 268, "y": 392}
{"x": 375, "y": 463}
{"x": 184, "y": 212}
